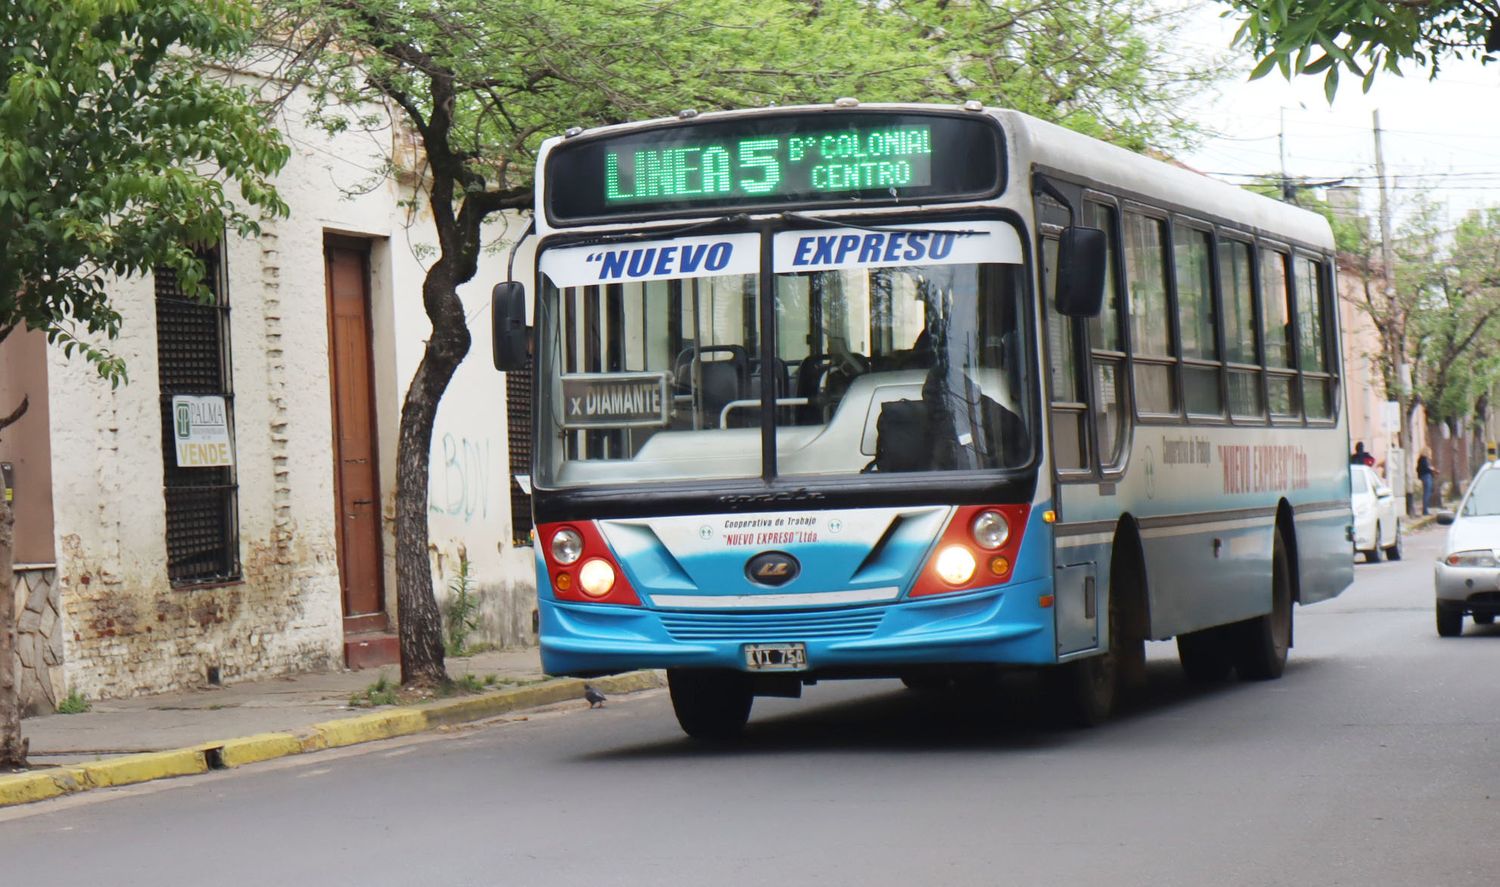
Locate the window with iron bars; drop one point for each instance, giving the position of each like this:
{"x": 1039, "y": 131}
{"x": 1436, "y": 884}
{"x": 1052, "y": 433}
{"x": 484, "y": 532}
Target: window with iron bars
{"x": 192, "y": 345}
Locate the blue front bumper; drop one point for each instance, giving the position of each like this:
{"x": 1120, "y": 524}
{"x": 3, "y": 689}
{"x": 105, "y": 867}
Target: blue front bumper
{"x": 1003, "y": 625}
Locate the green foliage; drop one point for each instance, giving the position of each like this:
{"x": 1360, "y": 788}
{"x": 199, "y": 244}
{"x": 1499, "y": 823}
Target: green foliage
{"x": 1362, "y": 37}
{"x": 1457, "y": 325}
{"x": 1112, "y": 70}
{"x": 73, "y": 704}
{"x": 470, "y": 683}
{"x": 461, "y": 612}
{"x": 522, "y": 71}
{"x": 382, "y": 692}
{"x": 118, "y": 153}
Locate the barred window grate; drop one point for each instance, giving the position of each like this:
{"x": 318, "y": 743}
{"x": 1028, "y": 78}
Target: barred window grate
{"x": 192, "y": 342}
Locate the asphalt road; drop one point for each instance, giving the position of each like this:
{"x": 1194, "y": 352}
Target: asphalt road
{"x": 1371, "y": 762}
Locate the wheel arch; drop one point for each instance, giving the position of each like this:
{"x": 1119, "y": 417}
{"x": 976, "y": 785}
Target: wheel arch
{"x": 1286, "y": 523}
{"x": 1127, "y": 574}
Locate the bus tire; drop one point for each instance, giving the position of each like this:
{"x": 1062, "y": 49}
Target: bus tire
{"x": 1264, "y": 640}
{"x": 1207, "y": 656}
{"x": 1082, "y": 692}
{"x": 1086, "y": 692}
{"x": 710, "y": 704}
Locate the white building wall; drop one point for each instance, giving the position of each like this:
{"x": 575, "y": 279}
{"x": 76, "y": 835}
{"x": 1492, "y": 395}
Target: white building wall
{"x": 127, "y": 630}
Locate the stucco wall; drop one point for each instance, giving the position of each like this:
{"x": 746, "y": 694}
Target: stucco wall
{"x": 126, "y": 630}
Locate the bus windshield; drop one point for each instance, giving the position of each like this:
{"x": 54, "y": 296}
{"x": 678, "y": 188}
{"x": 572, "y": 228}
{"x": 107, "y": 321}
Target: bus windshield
{"x": 901, "y": 350}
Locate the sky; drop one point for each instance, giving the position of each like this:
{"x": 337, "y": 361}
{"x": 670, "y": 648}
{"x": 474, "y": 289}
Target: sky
{"x": 1441, "y": 137}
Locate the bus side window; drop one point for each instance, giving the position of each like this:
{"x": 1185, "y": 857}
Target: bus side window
{"x": 1276, "y": 321}
{"x": 1241, "y": 340}
{"x": 1150, "y": 315}
{"x": 1197, "y": 320}
{"x": 1312, "y": 345}
{"x": 1107, "y": 344}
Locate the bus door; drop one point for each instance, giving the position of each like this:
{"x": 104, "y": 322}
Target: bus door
{"x": 1087, "y": 422}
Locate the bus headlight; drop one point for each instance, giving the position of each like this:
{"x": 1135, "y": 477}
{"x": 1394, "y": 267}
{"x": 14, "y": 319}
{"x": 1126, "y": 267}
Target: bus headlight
{"x": 567, "y": 546}
{"x": 990, "y": 530}
{"x": 596, "y": 578}
{"x": 955, "y": 565}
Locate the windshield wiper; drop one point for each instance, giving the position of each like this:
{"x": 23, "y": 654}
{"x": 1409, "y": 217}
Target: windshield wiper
{"x": 661, "y": 233}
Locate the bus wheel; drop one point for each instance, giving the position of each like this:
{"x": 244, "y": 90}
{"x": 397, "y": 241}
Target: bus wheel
{"x": 1082, "y": 692}
{"x": 1207, "y": 655}
{"x": 710, "y": 704}
{"x": 1264, "y": 640}
{"x": 1085, "y": 692}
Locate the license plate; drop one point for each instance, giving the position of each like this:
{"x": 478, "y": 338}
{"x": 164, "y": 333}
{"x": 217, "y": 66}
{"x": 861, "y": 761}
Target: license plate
{"x": 776, "y": 657}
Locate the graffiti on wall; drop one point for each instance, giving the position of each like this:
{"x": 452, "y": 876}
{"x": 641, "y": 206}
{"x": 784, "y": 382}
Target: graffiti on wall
{"x": 460, "y": 482}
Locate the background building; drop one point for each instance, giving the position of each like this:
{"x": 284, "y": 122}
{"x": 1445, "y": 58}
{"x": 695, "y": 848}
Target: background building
{"x": 139, "y": 571}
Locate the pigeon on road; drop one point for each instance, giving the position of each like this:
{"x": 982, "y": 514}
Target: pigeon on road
{"x": 595, "y": 698}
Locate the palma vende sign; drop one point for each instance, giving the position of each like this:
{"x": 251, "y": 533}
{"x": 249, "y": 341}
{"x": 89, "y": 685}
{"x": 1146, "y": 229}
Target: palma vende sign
{"x": 200, "y": 426}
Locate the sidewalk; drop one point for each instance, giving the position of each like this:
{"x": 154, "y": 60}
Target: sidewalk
{"x": 132, "y": 740}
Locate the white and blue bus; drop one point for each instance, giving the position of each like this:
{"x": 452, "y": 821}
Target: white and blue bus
{"x": 920, "y": 392}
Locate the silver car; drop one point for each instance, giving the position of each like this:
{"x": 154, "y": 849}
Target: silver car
{"x": 1467, "y": 576}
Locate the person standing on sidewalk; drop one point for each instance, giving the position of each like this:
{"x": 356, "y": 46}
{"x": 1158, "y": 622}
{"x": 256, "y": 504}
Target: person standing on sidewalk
{"x": 1426, "y": 473}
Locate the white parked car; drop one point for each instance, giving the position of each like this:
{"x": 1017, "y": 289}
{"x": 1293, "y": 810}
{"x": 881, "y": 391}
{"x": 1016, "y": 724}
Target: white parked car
{"x": 1467, "y": 576}
{"x": 1377, "y": 521}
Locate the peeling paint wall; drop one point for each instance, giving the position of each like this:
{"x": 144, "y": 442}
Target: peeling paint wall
{"x": 125, "y": 630}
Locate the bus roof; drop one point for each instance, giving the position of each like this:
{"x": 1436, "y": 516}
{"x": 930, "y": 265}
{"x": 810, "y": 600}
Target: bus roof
{"x": 1116, "y": 169}
{"x": 1037, "y": 143}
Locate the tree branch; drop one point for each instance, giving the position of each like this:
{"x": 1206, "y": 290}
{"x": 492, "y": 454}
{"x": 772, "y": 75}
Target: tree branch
{"x": 16, "y": 415}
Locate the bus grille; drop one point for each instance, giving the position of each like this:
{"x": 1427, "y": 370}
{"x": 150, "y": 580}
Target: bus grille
{"x": 843, "y": 625}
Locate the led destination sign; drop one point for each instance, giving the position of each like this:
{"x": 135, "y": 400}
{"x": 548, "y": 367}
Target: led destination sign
{"x": 776, "y": 161}
{"x": 850, "y": 160}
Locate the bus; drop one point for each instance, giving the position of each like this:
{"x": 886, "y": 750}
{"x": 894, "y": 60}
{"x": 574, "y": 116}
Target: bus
{"x": 919, "y": 392}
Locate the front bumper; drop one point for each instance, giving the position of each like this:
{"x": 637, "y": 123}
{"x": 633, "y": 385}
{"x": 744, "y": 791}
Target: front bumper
{"x": 1004, "y": 625}
{"x": 1478, "y": 588}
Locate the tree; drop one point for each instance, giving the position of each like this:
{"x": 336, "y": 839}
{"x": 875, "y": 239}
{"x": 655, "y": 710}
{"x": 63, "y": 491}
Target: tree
{"x": 1457, "y": 346}
{"x": 1108, "y": 68}
{"x": 116, "y": 156}
{"x": 1364, "y": 37}
{"x": 483, "y": 81}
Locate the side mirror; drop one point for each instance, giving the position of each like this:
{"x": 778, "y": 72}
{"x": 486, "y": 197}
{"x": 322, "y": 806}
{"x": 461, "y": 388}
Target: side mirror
{"x": 1445, "y": 518}
{"x": 508, "y": 326}
{"x": 1081, "y": 257}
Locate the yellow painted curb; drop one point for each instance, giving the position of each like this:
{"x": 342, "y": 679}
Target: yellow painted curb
{"x": 365, "y": 728}
{"x": 39, "y": 785}
{"x": 630, "y": 682}
{"x": 252, "y": 749}
{"x": 475, "y": 708}
{"x": 142, "y": 768}
{"x": 23, "y": 788}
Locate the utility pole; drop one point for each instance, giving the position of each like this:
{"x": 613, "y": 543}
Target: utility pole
{"x": 1288, "y": 194}
{"x": 1395, "y": 333}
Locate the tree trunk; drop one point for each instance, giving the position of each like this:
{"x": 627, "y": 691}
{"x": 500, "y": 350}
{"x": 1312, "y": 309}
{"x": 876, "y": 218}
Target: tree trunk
{"x": 420, "y": 620}
{"x": 12, "y": 746}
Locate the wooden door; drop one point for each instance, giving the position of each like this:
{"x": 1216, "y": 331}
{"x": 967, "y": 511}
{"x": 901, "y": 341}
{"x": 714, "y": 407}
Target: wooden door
{"x": 355, "y": 476}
